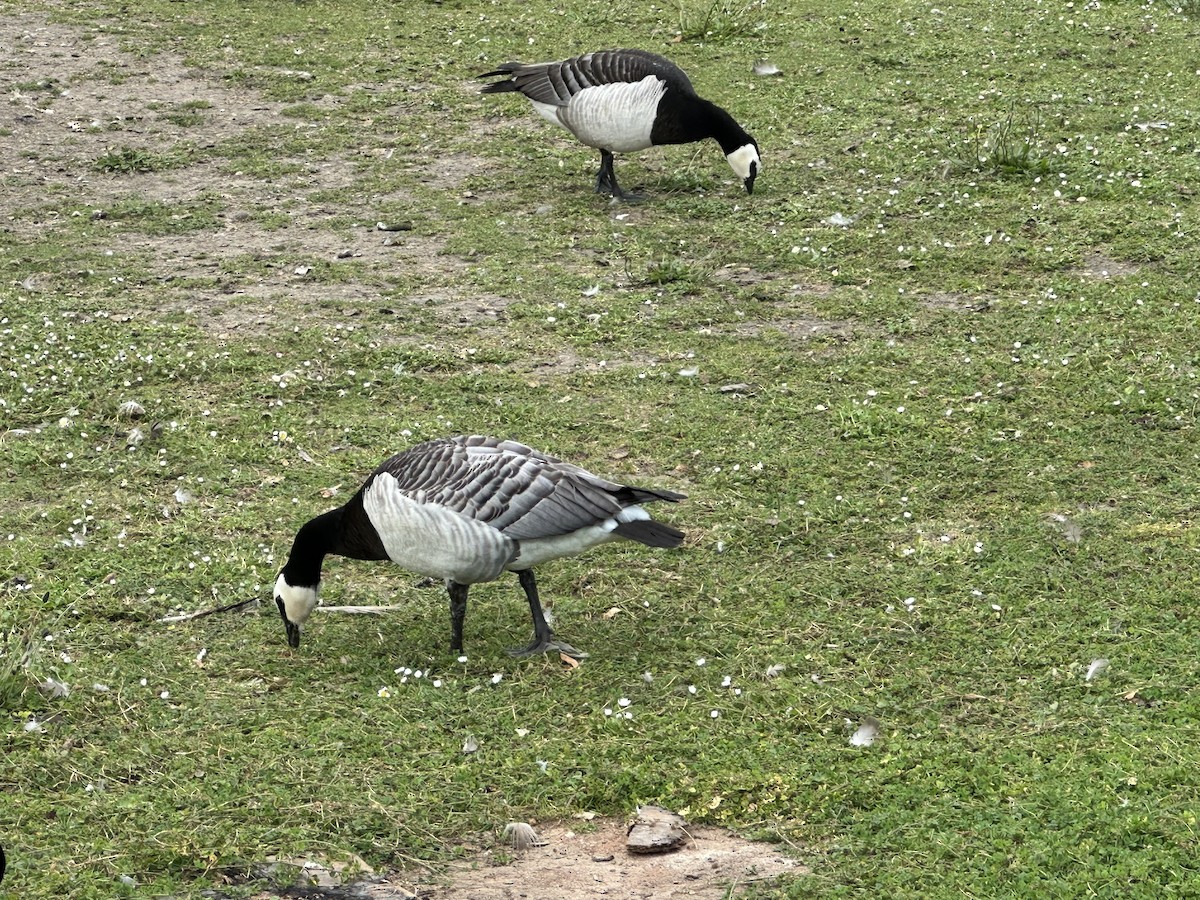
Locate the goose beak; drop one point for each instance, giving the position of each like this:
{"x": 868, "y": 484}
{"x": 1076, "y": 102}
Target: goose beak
{"x": 749, "y": 180}
{"x": 293, "y": 630}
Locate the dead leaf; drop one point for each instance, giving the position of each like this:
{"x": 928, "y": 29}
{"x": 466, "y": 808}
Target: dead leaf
{"x": 611, "y": 611}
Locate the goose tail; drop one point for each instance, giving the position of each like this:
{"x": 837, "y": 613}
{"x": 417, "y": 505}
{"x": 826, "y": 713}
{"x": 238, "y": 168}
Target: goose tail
{"x": 501, "y": 87}
{"x": 628, "y": 496}
{"x": 650, "y": 533}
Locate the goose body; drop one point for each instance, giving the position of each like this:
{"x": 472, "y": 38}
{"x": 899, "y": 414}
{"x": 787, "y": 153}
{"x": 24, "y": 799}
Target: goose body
{"x": 465, "y": 510}
{"x": 620, "y": 101}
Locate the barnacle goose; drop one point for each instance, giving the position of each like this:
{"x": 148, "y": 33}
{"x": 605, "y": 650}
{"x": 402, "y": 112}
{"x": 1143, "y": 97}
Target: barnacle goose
{"x": 465, "y": 509}
{"x": 619, "y": 101}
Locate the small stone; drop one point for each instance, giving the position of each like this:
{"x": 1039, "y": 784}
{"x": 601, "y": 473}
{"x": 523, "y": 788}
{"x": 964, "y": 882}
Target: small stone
{"x": 131, "y": 409}
{"x": 656, "y": 830}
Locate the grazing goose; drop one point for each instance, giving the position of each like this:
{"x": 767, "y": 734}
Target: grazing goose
{"x": 619, "y": 101}
{"x": 464, "y": 509}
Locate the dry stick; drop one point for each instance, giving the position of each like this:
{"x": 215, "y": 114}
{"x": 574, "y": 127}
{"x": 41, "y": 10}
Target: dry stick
{"x": 208, "y": 612}
{"x": 357, "y": 610}
{"x": 372, "y": 610}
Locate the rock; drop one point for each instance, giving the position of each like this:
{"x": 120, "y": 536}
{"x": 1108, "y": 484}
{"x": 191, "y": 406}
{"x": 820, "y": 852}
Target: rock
{"x": 656, "y": 830}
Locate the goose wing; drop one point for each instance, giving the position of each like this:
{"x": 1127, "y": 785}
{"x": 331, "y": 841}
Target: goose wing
{"x": 556, "y": 83}
{"x": 521, "y": 492}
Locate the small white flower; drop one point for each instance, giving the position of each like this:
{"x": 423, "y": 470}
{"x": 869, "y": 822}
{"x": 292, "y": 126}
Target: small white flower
{"x": 647, "y": 677}
{"x": 691, "y": 689}
{"x": 384, "y": 692}
{"x": 496, "y": 677}
{"x": 716, "y": 713}
{"x": 726, "y": 681}
{"x": 623, "y": 702}
{"x": 701, "y": 661}
{"x": 462, "y": 659}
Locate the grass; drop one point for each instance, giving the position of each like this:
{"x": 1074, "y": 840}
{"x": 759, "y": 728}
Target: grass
{"x": 963, "y": 465}
{"x": 718, "y": 21}
{"x": 1010, "y": 147}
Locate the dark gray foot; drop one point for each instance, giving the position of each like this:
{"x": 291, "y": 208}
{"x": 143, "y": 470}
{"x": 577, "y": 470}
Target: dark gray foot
{"x": 547, "y": 645}
{"x": 606, "y": 181}
{"x": 627, "y": 196}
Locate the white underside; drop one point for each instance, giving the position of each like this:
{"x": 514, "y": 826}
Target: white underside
{"x": 539, "y": 550}
{"x": 440, "y": 543}
{"x": 432, "y": 540}
{"x": 617, "y": 117}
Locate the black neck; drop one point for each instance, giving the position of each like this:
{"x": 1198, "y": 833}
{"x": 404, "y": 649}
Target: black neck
{"x": 683, "y": 119}
{"x": 345, "y": 531}
{"x": 314, "y": 540}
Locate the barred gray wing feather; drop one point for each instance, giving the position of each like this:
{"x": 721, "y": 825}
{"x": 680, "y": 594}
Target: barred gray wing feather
{"x": 517, "y": 490}
{"x": 555, "y": 83}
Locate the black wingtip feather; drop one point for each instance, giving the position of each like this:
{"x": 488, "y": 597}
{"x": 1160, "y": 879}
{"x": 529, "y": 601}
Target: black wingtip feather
{"x": 500, "y": 87}
{"x": 629, "y": 496}
{"x": 650, "y": 533}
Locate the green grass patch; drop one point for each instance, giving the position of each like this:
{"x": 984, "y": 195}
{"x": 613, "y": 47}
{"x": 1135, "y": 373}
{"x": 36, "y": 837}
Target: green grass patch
{"x": 932, "y": 391}
{"x": 131, "y": 161}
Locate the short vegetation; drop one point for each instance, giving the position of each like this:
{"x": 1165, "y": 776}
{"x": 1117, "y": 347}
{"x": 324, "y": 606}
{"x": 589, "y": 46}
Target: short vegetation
{"x": 932, "y": 392}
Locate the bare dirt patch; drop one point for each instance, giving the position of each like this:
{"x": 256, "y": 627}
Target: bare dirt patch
{"x": 1097, "y": 265}
{"x": 747, "y": 276}
{"x": 74, "y": 97}
{"x": 573, "y": 864}
{"x": 954, "y": 302}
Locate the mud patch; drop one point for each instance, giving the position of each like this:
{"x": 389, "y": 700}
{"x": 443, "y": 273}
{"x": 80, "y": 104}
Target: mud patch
{"x": 747, "y": 276}
{"x": 954, "y": 302}
{"x": 799, "y": 327}
{"x": 1097, "y": 265}
{"x": 572, "y": 865}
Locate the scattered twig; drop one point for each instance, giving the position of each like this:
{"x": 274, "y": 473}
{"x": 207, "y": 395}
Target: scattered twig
{"x": 358, "y": 610}
{"x": 199, "y": 614}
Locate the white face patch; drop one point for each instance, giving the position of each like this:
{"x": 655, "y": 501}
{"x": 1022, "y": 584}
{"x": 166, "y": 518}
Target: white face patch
{"x": 741, "y": 158}
{"x": 298, "y": 602}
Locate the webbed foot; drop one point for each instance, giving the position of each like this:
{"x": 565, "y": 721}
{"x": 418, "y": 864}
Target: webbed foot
{"x": 549, "y": 644}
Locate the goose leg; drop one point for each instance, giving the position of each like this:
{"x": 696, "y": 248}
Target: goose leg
{"x": 606, "y": 181}
{"x": 544, "y": 640}
{"x": 458, "y": 612}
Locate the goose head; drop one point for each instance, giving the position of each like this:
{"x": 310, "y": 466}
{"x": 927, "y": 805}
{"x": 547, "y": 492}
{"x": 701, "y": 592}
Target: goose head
{"x": 296, "y": 603}
{"x": 745, "y": 164}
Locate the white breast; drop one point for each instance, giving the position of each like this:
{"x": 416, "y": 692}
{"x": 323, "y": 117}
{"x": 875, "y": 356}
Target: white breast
{"x": 539, "y": 550}
{"x": 617, "y": 117}
{"x": 432, "y": 540}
